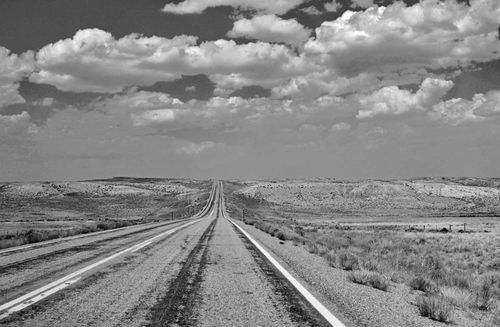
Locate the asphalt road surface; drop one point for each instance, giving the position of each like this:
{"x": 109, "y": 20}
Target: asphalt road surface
{"x": 202, "y": 271}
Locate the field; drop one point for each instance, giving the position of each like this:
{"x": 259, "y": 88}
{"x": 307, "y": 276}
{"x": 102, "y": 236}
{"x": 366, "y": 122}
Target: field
{"x": 39, "y": 211}
{"x": 439, "y": 238}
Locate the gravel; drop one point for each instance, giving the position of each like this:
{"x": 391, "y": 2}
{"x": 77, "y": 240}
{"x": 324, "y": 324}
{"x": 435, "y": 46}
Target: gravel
{"x": 353, "y": 304}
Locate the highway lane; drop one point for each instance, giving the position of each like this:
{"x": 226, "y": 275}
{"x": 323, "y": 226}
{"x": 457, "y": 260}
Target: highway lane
{"x": 24, "y": 270}
{"x": 207, "y": 274}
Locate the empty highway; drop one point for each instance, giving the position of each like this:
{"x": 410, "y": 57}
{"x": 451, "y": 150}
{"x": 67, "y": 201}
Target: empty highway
{"x": 202, "y": 271}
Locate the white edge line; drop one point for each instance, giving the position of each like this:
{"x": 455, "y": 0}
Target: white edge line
{"x": 79, "y": 272}
{"x": 309, "y": 297}
{"x": 39, "y": 297}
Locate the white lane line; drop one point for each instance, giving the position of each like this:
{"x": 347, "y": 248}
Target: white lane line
{"x": 77, "y": 273}
{"x": 309, "y": 297}
{"x": 205, "y": 208}
{"x": 140, "y": 246}
{"x": 39, "y": 297}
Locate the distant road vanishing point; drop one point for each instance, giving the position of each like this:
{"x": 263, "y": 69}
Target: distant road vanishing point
{"x": 207, "y": 270}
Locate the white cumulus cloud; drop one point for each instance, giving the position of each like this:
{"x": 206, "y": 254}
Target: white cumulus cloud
{"x": 195, "y": 148}
{"x": 14, "y": 128}
{"x": 198, "y": 6}
{"x": 270, "y": 28}
{"x": 339, "y": 127}
{"x": 93, "y": 60}
{"x": 392, "y": 100}
{"x": 13, "y": 68}
{"x": 152, "y": 117}
{"x": 431, "y": 34}
{"x": 458, "y": 111}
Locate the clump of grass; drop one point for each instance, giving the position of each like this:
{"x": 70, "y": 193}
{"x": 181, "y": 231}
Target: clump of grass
{"x": 266, "y": 227}
{"x": 494, "y": 321}
{"x": 369, "y": 278}
{"x": 10, "y": 242}
{"x": 281, "y": 235}
{"x": 435, "y": 307}
{"x": 348, "y": 261}
{"x": 370, "y": 264}
{"x": 311, "y": 247}
{"x": 249, "y": 220}
{"x": 331, "y": 258}
{"x": 457, "y": 296}
{"x": 487, "y": 291}
{"x": 458, "y": 280}
{"x": 421, "y": 283}
{"x": 286, "y": 234}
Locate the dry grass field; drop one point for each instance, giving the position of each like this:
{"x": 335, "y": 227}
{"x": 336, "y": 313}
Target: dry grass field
{"x": 438, "y": 237}
{"x": 39, "y": 211}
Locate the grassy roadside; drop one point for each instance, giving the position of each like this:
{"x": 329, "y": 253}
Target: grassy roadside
{"x": 448, "y": 271}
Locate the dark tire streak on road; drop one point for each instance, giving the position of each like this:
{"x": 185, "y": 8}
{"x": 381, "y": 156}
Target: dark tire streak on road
{"x": 300, "y": 310}
{"x": 176, "y": 307}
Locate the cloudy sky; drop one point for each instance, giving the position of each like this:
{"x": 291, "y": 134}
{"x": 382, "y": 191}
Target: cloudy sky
{"x": 249, "y": 88}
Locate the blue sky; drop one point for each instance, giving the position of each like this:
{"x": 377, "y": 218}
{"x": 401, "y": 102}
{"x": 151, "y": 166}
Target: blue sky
{"x": 249, "y": 89}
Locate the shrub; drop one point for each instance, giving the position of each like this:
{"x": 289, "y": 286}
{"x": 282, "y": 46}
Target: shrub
{"x": 486, "y": 290}
{"x": 6, "y": 243}
{"x": 266, "y": 227}
{"x": 249, "y": 220}
{"x": 434, "y": 307}
{"x": 432, "y": 262}
{"x": 311, "y": 247}
{"x": 331, "y": 258}
{"x": 369, "y": 278}
{"x": 282, "y": 235}
{"x": 458, "y": 296}
{"x": 421, "y": 283}
{"x": 286, "y": 234}
{"x": 495, "y": 319}
{"x": 348, "y": 261}
{"x": 34, "y": 236}
{"x": 461, "y": 281}
{"x": 370, "y": 264}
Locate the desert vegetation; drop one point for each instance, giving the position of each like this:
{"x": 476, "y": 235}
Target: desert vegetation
{"x": 40, "y": 211}
{"x": 443, "y": 246}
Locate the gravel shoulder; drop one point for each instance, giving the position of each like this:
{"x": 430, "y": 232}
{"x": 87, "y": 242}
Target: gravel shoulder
{"x": 353, "y": 304}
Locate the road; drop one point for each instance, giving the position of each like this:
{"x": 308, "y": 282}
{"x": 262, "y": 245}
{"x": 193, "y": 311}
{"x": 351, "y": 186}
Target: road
{"x": 202, "y": 271}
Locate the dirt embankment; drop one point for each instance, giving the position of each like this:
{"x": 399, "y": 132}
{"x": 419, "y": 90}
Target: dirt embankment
{"x": 421, "y": 196}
